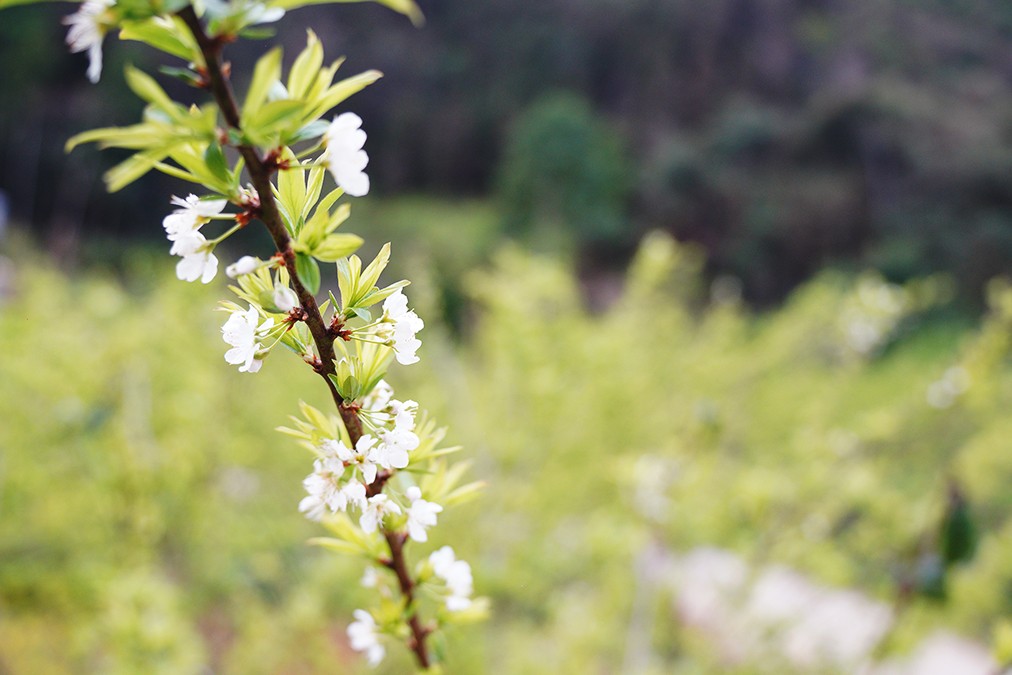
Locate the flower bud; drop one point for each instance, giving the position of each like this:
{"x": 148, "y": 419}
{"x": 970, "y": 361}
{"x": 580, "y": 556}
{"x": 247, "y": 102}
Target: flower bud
{"x": 285, "y": 298}
{"x": 244, "y": 265}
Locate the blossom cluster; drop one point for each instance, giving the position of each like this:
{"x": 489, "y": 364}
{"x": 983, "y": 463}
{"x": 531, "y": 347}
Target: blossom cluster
{"x": 365, "y": 633}
{"x": 378, "y": 479}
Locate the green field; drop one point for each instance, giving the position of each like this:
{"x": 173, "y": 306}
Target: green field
{"x": 149, "y": 520}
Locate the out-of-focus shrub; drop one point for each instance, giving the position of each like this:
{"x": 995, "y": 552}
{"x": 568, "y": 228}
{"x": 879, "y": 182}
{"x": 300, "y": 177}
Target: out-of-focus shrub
{"x": 564, "y": 167}
{"x": 141, "y": 523}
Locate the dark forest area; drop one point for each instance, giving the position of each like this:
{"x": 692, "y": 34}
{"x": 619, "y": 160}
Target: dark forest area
{"x": 781, "y": 135}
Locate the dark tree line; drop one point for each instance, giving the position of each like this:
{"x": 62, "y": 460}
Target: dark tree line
{"x": 783, "y": 135}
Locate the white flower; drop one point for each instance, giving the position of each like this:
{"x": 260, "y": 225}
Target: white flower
{"x": 421, "y": 514}
{"x": 201, "y": 264}
{"x": 405, "y": 323}
{"x": 375, "y": 511}
{"x": 393, "y": 453}
{"x": 244, "y": 265}
{"x": 193, "y": 213}
{"x": 346, "y": 159}
{"x": 363, "y": 637}
{"x": 182, "y": 229}
{"x": 241, "y": 332}
{"x": 366, "y": 455}
{"x": 379, "y": 397}
{"x": 88, "y": 26}
{"x": 326, "y": 493}
{"x": 285, "y": 298}
{"x": 404, "y": 414}
{"x": 456, "y": 574}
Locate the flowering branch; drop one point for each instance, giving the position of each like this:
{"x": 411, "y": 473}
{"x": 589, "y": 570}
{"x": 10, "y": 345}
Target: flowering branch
{"x": 361, "y": 454}
{"x": 260, "y": 176}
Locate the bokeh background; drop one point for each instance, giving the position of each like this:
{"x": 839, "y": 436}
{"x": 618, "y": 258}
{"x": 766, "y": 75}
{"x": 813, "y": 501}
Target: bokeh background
{"x": 713, "y": 298}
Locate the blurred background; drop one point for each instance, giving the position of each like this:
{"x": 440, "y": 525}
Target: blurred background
{"x": 713, "y": 298}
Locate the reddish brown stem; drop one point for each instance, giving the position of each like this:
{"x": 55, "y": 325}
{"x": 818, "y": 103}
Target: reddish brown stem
{"x": 260, "y": 169}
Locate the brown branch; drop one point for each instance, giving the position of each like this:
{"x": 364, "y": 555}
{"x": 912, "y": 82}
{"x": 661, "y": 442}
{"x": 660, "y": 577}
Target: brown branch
{"x": 260, "y": 175}
{"x": 396, "y": 541}
{"x": 260, "y": 172}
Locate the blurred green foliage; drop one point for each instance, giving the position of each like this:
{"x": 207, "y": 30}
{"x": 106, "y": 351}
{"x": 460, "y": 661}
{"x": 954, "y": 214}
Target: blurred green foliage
{"x": 564, "y": 166}
{"x": 150, "y": 520}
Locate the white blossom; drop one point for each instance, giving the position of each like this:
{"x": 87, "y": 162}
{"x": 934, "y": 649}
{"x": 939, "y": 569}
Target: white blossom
{"x": 363, "y": 637}
{"x": 182, "y": 229}
{"x": 379, "y": 398}
{"x": 421, "y": 514}
{"x": 193, "y": 213}
{"x": 393, "y": 453}
{"x": 198, "y": 264}
{"x": 244, "y": 265}
{"x": 404, "y": 324}
{"x": 345, "y": 157}
{"x": 285, "y": 298}
{"x": 88, "y": 26}
{"x": 403, "y": 413}
{"x": 366, "y": 455}
{"x": 326, "y": 493}
{"x": 241, "y": 332}
{"x": 456, "y": 574}
{"x": 375, "y": 511}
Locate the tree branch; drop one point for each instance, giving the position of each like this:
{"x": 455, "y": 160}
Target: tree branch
{"x": 260, "y": 175}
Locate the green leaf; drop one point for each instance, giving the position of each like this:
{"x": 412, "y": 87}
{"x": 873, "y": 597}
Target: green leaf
{"x": 309, "y": 272}
{"x": 272, "y": 115}
{"x": 214, "y": 157}
{"x": 306, "y": 67}
{"x": 337, "y": 246}
{"x": 362, "y": 313}
{"x": 184, "y": 74}
{"x": 342, "y": 90}
{"x": 257, "y": 33}
{"x": 291, "y": 189}
{"x": 170, "y": 37}
{"x": 310, "y": 132}
{"x": 348, "y": 272}
{"x": 130, "y": 169}
{"x": 266, "y": 73}
{"x": 145, "y": 87}
{"x": 406, "y": 7}
{"x": 371, "y": 273}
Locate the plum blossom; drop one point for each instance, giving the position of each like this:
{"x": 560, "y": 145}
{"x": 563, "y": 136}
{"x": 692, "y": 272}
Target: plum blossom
{"x": 198, "y": 262}
{"x": 182, "y": 229}
{"x": 326, "y": 493}
{"x": 377, "y": 508}
{"x": 244, "y": 265}
{"x": 88, "y": 27}
{"x": 241, "y": 332}
{"x": 393, "y": 453}
{"x": 345, "y": 157}
{"x": 456, "y": 574}
{"x": 403, "y": 413}
{"x": 363, "y": 637}
{"x": 421, "y": 514}
{"x": 403, "y": 324}
{"x": 193, "y": 213}
{"x": 379, "y": 398}
{"x": 366, "y": 455}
